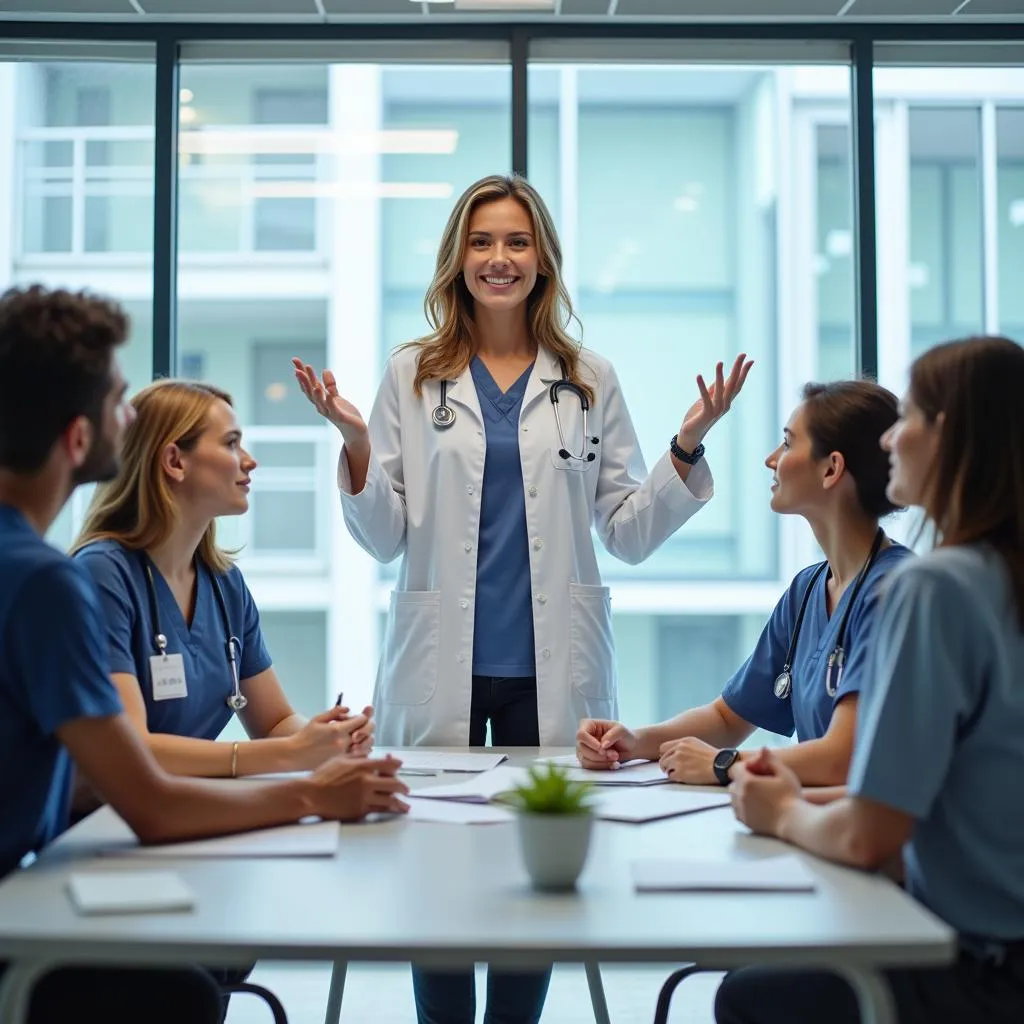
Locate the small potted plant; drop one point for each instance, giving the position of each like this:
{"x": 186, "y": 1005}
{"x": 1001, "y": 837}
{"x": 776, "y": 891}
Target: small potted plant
{"x": 555, "y": 820}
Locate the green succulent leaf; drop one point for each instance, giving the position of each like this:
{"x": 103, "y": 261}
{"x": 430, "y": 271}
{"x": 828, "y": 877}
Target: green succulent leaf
{"x": 549, "y": 791}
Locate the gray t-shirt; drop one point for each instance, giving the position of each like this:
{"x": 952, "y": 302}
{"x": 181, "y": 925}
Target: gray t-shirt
{"x": 940, "y": 735}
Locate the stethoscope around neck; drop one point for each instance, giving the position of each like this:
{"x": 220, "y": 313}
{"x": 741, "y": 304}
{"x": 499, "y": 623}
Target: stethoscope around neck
{"x": 443, "y": 415}
{"x": 235, "y": 700}
{"x": 784, "y": 680}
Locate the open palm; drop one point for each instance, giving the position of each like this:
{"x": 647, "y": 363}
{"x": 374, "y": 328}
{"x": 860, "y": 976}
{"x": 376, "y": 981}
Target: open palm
{"x": 324, "y": 397}
{"x": 714, "y": 401}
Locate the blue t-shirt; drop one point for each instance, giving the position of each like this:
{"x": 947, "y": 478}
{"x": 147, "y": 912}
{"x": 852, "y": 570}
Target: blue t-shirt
{"x": 120, "y": 578}
{"x": 503, "y": 643}
{"x": 808, "y": 709}
{"x": 53, "y": 670}
{"x": 940, "y": 736}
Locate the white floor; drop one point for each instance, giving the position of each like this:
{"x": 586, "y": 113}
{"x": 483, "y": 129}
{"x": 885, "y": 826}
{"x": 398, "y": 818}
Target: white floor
{"x": 382, "y": 994}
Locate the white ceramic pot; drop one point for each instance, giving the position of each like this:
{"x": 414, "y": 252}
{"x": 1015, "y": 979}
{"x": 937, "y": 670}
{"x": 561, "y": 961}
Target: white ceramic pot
{"x": 554, "y": 847}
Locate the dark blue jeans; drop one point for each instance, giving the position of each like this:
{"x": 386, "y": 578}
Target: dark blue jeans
{"x": 513, "y": 997}
{"x": 968, "y": 992}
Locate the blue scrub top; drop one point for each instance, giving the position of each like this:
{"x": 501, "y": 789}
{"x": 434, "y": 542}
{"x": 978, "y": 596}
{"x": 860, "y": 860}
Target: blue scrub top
{"x": 503, "y": 643}
{"x": 53, "y": 670}
{"x": 121, "y": 581}
{"x": 808, "y": 708}
{"x": 939, "y": 732}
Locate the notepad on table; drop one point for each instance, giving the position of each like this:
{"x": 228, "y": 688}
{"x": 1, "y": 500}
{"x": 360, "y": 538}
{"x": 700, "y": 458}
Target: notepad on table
{"x": 457, "y": 812}
{"x": 442, "y": 760}
{"x": 772, "y": 874}
{"x": 478, "y": 789}
{"x": 129, "y": 892}
{"x": 636, "y": 806}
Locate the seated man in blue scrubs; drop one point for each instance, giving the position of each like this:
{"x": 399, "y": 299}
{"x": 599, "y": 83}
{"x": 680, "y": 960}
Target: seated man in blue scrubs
{"x": 171, "y": 595}
{"x": 62, "y": 417}
{"x": 830, "y": 470}
{"x": 939, "y": 756}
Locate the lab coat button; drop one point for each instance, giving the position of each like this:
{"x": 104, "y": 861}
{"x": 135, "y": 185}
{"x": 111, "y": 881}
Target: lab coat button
{"x": 537, "y": 543}
{"x": 545, "y": 653}
{"x": 468, "y": 546}
{"x": 542, "y": 598}
{"x": 463, "y": 604}
{"x": 460, "y": 657}
{"x": 469, "y": 490}
{"x": 533, "y": 491}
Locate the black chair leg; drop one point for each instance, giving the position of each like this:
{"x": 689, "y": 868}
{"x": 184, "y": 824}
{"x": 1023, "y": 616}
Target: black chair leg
{"x": 672, "y": 982}
{"x": 276, "y": 1008}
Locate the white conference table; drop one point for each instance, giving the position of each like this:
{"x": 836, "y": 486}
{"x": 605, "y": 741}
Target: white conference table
{"x": 450, "y": 895}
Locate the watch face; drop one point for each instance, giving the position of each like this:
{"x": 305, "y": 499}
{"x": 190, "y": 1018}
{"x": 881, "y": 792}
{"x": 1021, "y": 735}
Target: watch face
{"x": 724, "y": 758}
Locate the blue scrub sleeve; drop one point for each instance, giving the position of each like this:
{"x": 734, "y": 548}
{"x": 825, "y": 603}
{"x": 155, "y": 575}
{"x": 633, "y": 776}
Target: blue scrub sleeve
{"x": 750, "y": 692}
{"x": 255, "y": 656}
{"x": 118, "y": 609}
{"x": 55, "y": 640}
{"x": 923, "y": 684}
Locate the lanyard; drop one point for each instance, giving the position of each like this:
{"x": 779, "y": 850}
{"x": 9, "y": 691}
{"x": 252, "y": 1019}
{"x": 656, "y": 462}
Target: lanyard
{"x": 232, "y": 646}
{"x": 784, "y": 680}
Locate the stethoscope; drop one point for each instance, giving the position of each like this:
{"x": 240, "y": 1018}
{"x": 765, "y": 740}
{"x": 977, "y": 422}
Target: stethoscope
{"x": 236, "y": 700}
{"x": 443, "y": 415}
{"x": 784, "y": 680}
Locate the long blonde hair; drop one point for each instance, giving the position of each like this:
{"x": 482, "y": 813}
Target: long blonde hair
{"x": 448, "y": 305}
{"x": 137, "y": 508}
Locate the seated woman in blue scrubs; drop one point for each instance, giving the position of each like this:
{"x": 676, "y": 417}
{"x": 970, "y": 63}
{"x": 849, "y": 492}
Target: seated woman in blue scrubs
{"x": 937, "y": 766}
{"x": 830, "y": 470}
{"x": 186, "y": 649}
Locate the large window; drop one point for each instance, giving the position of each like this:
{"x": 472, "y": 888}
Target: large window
{"x": 76, "y": 196}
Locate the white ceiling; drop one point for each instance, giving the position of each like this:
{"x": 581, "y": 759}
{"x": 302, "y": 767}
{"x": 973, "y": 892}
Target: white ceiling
{"x": 606, "y": 11}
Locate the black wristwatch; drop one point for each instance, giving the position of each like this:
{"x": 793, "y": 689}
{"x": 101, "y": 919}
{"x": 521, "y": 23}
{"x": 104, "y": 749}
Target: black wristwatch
{"x": 723, "y": 761}
{"x": 684, "y": 456}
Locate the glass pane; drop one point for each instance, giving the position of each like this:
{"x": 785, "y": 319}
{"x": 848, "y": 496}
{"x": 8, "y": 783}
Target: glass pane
{"x": 71, "y": 120}
{"x": 1010, "y": 217}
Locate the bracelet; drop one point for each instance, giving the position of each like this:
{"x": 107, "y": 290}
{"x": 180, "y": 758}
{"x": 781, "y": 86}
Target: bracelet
{"x": 684, "y": 456}
{"x": 234, "y": 760}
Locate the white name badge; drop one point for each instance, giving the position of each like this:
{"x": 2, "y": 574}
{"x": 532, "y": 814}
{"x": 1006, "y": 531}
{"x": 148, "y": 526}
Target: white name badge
{"x": 168, "y": 674}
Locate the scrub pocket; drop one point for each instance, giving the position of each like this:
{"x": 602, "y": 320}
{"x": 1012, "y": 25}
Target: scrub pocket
{"x": 592, "y": 649}
{"x": 411, "y": 640}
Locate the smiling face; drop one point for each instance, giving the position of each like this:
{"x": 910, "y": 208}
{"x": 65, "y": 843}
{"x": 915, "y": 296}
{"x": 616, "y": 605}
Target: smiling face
{"x": 796, "y": 475}
{"x": 212, "y": 477}
{"x": 913, "y": 446}
{"x": 501, "y": 260}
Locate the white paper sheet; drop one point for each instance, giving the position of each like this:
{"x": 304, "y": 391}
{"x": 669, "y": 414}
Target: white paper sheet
{"x": 316, "y": 839}
{"x": 637, "y": 805}
{"x": 632, "y": 773}
{"x": 478, "y": 789}
{"x": 128, "y": 892}
{"x": 772, "y": 874}
{"x": 457, "y": 812}
{"x": 442, "y": 761}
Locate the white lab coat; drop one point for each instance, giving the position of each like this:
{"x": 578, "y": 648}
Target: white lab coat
{"x": 422, "y": 501}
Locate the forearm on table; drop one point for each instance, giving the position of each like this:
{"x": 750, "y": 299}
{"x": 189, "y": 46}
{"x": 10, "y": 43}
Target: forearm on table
{"x": 837, "y": 832}
{"x": 706, "y": 723}
{"x": 288, "y": 726}
{"x": 212, "y": 759}
{"x": 820, "y": 762}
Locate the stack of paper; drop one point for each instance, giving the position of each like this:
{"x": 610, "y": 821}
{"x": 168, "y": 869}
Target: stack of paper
{"x": 772, "y": 874}
{"x": 636, "y": 806}
{"x": 441, "y": 761}
{"x": 477, "y": 790}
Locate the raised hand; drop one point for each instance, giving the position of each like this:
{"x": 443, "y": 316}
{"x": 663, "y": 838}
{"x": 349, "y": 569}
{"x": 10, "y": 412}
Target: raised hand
{"x": 714, "y": 402}
{"x": 324, "y": 397}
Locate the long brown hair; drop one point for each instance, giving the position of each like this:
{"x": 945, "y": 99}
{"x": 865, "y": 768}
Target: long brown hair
{"x": 975, "y": 490}
{"x": 137, "y": 508}
{"x": 448, "y": 305}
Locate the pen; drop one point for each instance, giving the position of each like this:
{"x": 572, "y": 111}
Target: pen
{"x": 337, "y": 703}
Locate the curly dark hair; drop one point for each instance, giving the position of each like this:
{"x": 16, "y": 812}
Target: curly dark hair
{"x": 56, "y": 350}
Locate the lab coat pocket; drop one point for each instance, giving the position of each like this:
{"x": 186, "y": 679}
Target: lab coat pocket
{"x": 592, "y": 649}
{"x": 573, "y": 465}
{"x": 410, "y": 658}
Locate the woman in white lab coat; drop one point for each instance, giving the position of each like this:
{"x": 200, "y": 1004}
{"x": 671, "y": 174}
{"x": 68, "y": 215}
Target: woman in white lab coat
{"x": 494, "y": 444}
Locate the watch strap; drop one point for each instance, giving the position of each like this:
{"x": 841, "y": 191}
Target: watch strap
{"x": 690, "y": 458}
